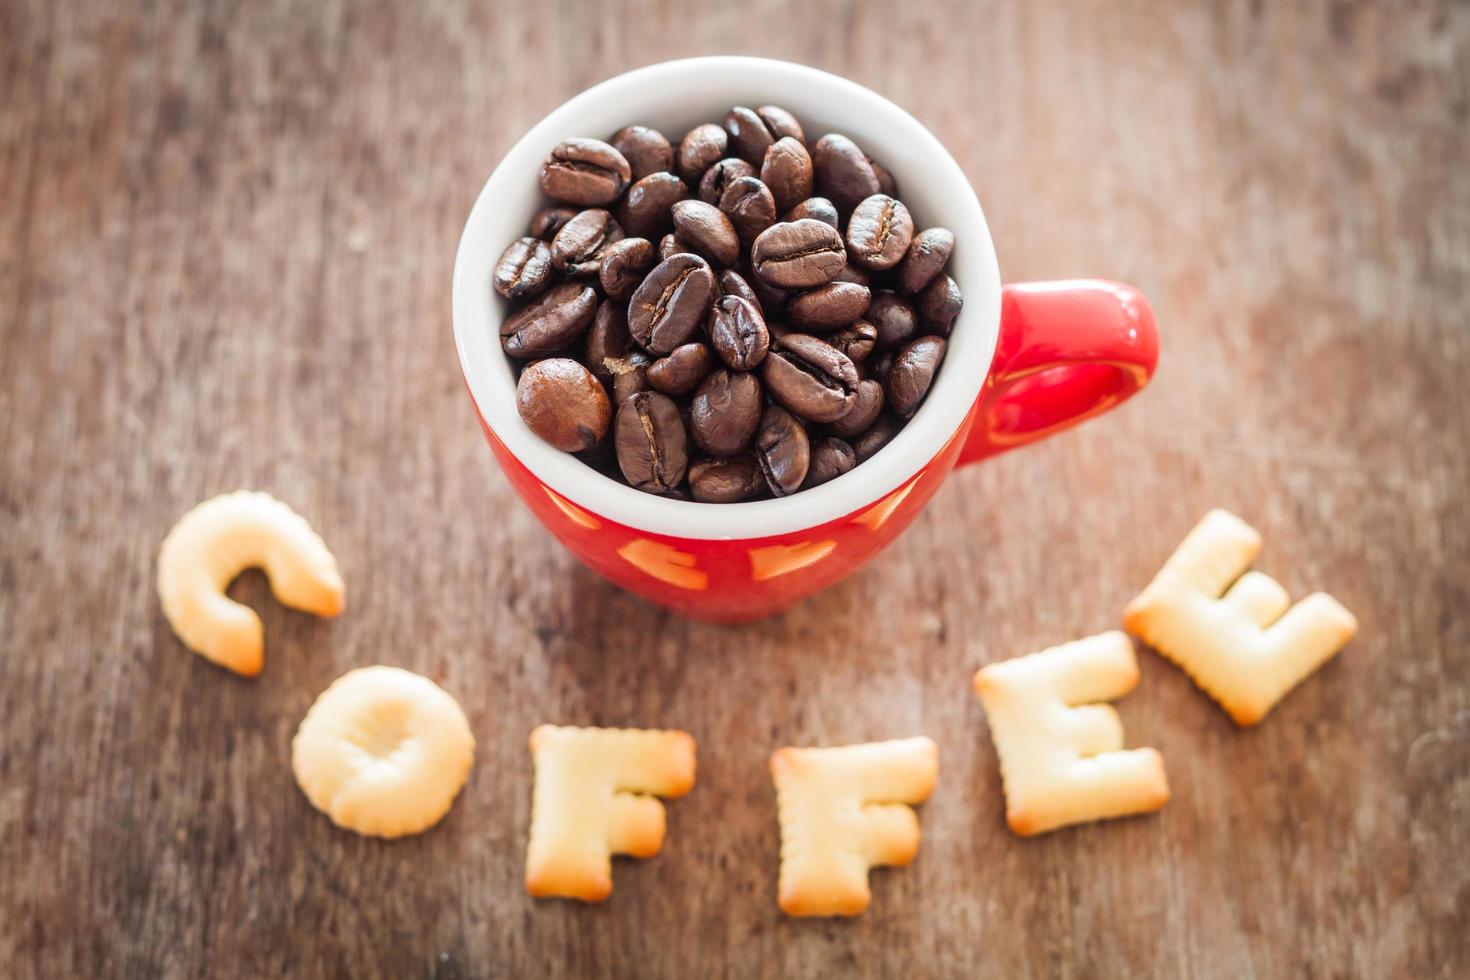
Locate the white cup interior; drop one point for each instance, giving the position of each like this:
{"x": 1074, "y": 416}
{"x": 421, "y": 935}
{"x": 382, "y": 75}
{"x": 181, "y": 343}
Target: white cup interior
{"x": 673, "y": 97}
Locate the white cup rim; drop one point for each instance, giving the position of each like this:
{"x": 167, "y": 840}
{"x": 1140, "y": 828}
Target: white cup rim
{"x": 824, "y": 103}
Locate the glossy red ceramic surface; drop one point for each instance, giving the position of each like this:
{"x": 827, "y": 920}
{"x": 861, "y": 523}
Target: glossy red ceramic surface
{"x": 1067, "y": 352}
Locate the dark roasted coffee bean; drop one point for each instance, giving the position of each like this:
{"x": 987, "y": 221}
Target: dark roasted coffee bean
{"x": 927, "y": 255}
{"x": 563, "y": 403}
{"x": 671, "y": 303}
{"x": 726, "y": 481}
{"x": 708, "y": 231}
{"x": 548, "y": 221}
{"x": 699, "y": 149}
{"x": 672, "y": 244}
{"x": 733, "y": 283}
{"x": 524, "y": 269}
{"x": 681, "y": 370}
{"x": 749, "y": 135}
{"x": 939, "y": 304}
{"x": 720, "y": 175}
{"x": 811, "y": 378}
{"x": 653, "y": 450}
{"x": 738, "y": 332}
{"x": 624, "y": 264}
{"x": 865, "y": 410}
{"x": 783, "y": 451}
{"x": 647, "y": 210}
{"x": 787, "y": 171}
{"x": 780, "y": 123}
{"x": 816, "y": 208}
{"x": 798, "y": 254}
{"x": 831, "y": 457}
{"x": 827, "y": 307}
{"x": 913, "y": 373}
{"x": 842, "y": 172}
{"x": 878, "y": 435}
{"x": 876, "y": 367}
{"x": 879, "y": 232}
{"x": 725, "y": 412}
{"x": 577, "y": 249}
{"x": 607, "y": 338}
{"x": 856, "y": 341}
{"x": 748, "y": 204}
{"x": 629, "y": 375}
{"x": 894, "y": 317}
{"x": 646, "y": 150}
{"x": 851, "y": 273}
{"x": 886, "y": 183}
{"x": 551, "y": 323}
{"x": 586, "y": 172}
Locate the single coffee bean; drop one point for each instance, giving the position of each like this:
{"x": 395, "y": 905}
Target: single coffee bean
{"x": 864, "y": 412}
{"x": 878, "y": 435}
{"x": 894, "y": 317}
{"x": 798, "y": 254}
{"x": 524, "y": 269}
{"x": 733, "y": 283}
{"x": 816, "y": 208}
{"x": 886, "y": 183}
{"x": 827, "y": 307}
{"x": 672, "y": 244}
{"x": 551, "y": 323}
{"x": 912, "y": 374}
{"x": 783, "y": 451}
{"x": 725, "y": 481}
{"x": 548, "y": 221}
{"x": 629, "y": 375}
{"x": 725, "y": 412}
{"x": 681, "y": 370}
{"x": 720, "y": 175}
{"x": 856, "y": 341}
{"x": 843, "y": 172}
{"x": 738, "y": 332}
{"x": 927, "y": 255}
{"x": 707, "y": 229}
{"x": 577, "y": 249}
{"x": 563, "y": 403}
{"x": 939, "y": 304}
{"x": 748, "y": 204}
{"x": 607, "y": 338}
{"x": 787, "y": 170}
{"x": 780, "y": 123}
{"x": 646, "y": 211}
{"x": 749, "y": 135}
{"x": 853, "y": 274}
{"x": 653, "y": 450}
{"x": 646, "y": 150}
{"x": 671, "y": 302}
{"x": 877, "y": 366}
{"x": 811, "y": 378}
{"x": 624, "y": 264}
{"x": 879, "y": 232}
{"x": 586, "y": 172}
{"x": 830, "y": 458}
{"x": 700, "y": 148}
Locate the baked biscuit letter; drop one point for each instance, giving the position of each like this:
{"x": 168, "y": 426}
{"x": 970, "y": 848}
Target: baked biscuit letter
{"x": 1245, "y": 649}
{"x": 218, "y": 540}
{"x": 594, "y": 798}
{"x": 1061, "y": 755}
{"x": 844, "y": 810}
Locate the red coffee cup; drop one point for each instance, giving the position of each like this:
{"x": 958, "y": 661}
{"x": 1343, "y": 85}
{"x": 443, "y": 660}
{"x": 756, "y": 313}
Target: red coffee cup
{"x": 1024, "y": 361}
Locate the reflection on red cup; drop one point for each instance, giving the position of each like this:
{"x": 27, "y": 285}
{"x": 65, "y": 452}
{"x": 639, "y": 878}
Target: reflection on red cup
{"x": 1024, "y": 361}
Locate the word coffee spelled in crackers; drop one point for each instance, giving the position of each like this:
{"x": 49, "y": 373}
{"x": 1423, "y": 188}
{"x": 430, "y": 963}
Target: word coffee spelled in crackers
{"x": 844, "y": 810}
{"x": 594, "y": 798}
{"x": 1246, "y": 649}
{"x": 218, "y": 540}
{"x": 383, "y": 751}
{"x": 1061, "y": 755}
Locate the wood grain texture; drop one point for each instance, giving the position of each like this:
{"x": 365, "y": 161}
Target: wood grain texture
{"x": 226, "y": 236}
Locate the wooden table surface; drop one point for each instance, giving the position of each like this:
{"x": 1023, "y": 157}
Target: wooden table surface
{"x": 226, "y": 236}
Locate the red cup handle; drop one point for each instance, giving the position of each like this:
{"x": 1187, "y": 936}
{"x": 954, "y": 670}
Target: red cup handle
{"x": 1068, "y": 351}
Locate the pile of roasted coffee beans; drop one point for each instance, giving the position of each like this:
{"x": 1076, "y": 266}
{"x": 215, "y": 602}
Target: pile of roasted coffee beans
{"x": 736, "y": 318}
